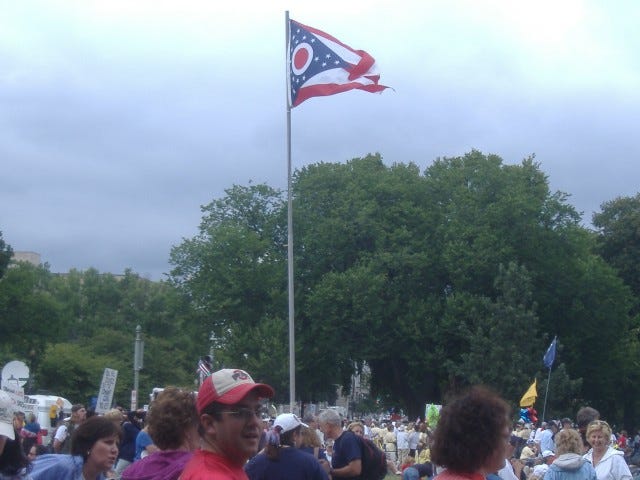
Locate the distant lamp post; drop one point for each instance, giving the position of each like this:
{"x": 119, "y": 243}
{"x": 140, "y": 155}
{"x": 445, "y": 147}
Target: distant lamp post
{"x": 138, "y": 354}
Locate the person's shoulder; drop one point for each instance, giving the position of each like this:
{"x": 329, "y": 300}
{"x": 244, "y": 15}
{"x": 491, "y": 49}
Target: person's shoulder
{"x": 257, "y": 460}
{"x": 351, "y": 438}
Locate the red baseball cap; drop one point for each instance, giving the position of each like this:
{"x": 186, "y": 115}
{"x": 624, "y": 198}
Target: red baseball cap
{"x": 228, "y": 386}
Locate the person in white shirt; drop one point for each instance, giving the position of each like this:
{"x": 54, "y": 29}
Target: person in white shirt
{"x": 538, "y": 434}
{"x": 402, "y": 440}
{"x": 608, "y": 462}
{"x": 508, "y": 472}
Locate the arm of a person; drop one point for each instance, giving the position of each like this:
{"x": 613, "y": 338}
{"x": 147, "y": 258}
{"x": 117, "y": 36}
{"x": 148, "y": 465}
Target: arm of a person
{"x": 620, "y": 469}
{"x": 151, "y": 448}
{"x": 58, "y": 440}
{"x": 322, "y": 472}
{"x": 352, "y": 469}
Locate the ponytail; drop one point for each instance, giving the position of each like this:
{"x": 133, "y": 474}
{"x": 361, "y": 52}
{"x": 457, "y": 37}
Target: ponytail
{"x": 276, "y": 440}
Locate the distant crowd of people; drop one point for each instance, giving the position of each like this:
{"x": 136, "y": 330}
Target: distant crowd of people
{"x": 225, "y": 432}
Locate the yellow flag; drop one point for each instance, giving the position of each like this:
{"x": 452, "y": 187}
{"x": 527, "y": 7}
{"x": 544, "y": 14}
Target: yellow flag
{"x": 529, "y": 398}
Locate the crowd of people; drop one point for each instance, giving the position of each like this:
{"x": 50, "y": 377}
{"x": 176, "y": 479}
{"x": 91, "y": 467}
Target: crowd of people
{"x": 224, "y": 432}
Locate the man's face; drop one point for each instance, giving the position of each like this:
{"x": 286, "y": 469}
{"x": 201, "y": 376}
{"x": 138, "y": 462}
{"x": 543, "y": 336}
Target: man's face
{"x": 328, "y": 430}
{"x": 236, "y": 434}
{"x": 80, "y": 415}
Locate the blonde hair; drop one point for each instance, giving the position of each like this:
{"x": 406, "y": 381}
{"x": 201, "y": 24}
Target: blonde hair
{"x": 353, "y": 425}
{"x": 309, "y": 438}
{"x": 599, "y": 426}
{"x": 114, "y": 415}
{"x": 568, "y": 441}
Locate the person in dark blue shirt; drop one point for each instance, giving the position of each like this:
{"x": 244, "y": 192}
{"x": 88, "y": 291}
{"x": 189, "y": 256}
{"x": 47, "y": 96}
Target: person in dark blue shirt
{"x": 346, "y": 461}
{"x": 281, "y": 459}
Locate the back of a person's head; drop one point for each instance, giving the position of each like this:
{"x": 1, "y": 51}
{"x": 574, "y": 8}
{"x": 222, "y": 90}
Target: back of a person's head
{"x": 12, "y": 458}
{"x": 470, "y": 429}
{"x": 172, "y": 414}
{"x": 585, "y": 416}
{"x": 114, "y": 415}
{"x": 568, "y": 440}
{"x": 309, "y": 438}
{"x": 308, "y": 418}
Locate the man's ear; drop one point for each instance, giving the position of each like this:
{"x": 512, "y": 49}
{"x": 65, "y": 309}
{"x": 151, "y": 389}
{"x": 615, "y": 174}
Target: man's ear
{"x": 208, "y": 423}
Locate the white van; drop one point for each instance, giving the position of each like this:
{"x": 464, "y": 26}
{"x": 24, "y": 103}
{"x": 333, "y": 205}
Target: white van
{"x": 41, "y": 405}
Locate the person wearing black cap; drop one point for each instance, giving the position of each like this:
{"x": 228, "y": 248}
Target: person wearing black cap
{"x": 230, "y": 425}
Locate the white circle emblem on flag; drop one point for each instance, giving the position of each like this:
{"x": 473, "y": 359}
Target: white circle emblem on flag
{"x": 301, "y": 58}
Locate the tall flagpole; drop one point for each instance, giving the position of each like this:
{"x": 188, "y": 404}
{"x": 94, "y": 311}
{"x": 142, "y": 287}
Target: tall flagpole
{"x": 544, "y": 408}
{"x": 546, "y": 393}
{"x": 292, "y": 340}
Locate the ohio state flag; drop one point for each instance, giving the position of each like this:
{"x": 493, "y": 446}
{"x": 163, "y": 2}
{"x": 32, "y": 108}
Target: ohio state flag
{"x": 321, "y": 65}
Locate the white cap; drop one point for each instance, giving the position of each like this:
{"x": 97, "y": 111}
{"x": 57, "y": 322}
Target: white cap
{"x": 6, "y": 416}
{"x": 287, "y": 422}
{"x": 547, "y": 453}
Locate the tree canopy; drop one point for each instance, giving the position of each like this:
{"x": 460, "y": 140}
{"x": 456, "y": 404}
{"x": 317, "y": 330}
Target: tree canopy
{"x": 419, "y": 275}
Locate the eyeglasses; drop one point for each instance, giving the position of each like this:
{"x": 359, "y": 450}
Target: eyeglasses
{"x": 246, "y": 414}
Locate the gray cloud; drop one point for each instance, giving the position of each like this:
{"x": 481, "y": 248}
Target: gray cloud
{"x": 116, "y": 125}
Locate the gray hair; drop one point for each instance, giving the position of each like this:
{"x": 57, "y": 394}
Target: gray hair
{"x": 309, "y": 417}
{"x": 331, "y": 417}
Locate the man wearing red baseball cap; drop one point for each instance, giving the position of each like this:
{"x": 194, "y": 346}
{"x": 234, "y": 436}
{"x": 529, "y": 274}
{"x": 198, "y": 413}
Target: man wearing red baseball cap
{"x": 230, "y": 425}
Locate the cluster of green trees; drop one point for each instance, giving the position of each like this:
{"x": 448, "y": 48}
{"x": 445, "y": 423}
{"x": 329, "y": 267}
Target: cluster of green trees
{"x": 68, "y": 328}
{"x": 459, "y": 274}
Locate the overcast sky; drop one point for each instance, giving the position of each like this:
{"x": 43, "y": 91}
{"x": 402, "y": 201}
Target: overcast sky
{"x": 120, "y": 118}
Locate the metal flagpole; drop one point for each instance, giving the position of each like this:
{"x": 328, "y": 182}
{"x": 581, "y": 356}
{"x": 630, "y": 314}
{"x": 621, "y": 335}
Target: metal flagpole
{"x": 548, "y": 359}
{"x": 544, "y": 408}
{"x": 292, "y": 342}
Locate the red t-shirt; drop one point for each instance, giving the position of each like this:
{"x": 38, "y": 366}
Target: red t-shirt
{"x": 205, "y": 465}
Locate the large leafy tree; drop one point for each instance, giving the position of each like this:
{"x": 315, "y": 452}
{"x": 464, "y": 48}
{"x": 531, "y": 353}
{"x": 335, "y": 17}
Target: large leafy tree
{"x": 401, "y": 270}
{"x": 234, "y": 272}
{"x": 427, "y": 250}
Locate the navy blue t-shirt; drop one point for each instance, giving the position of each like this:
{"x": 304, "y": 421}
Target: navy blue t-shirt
{"x": 346, "y": 449}
{"x": 292, "y": 464}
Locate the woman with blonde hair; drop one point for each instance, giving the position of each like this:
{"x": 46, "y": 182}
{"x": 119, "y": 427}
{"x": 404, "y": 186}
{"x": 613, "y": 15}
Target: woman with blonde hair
{"x": 357, "y": 428}
{"x": 569, "y": 463}
{"x": 310, "y": 443}
{"x": 608, "y": 462}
